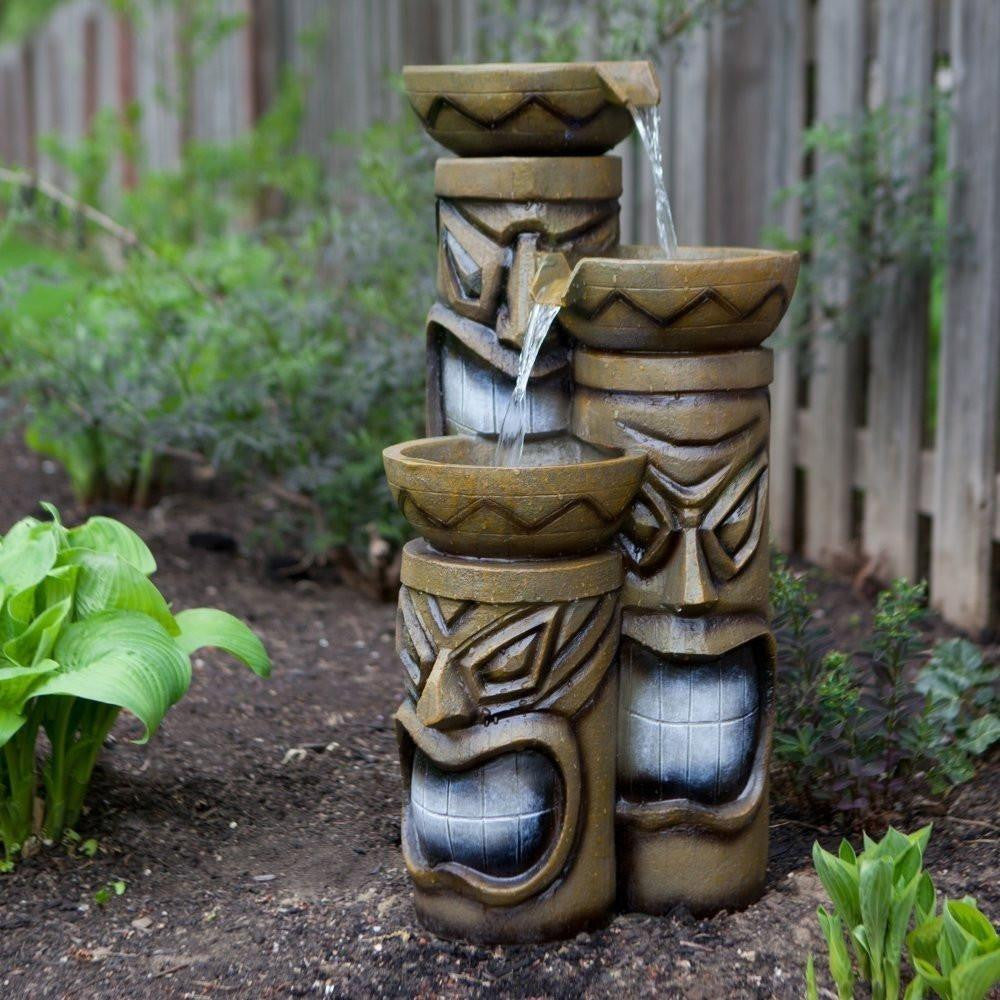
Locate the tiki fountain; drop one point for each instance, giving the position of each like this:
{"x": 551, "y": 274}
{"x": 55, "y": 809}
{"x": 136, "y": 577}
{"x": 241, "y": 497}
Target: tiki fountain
{"x": 583, "y": 622}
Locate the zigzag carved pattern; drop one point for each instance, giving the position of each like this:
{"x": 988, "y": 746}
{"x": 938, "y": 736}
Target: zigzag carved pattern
{"x": 536, "y": 100}
{"x": 524, "y": 526}
{"x": 702, "y": 298}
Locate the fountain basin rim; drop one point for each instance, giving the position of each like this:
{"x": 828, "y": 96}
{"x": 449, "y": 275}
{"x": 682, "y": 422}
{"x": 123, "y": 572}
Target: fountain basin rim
{"x": 646, "y": 266}
{"x": 524, "y": 77}
{"x": 409, "y": 453}
{"x": 519, "y": 512}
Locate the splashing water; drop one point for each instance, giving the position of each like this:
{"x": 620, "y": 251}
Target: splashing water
{"x": 510, "y": 443}
{"x": 647, "y": 123}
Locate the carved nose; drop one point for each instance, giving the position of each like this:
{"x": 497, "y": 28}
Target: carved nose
{"x": 444, "y": 702}
{"x": 513, "y": 319}
{"x": 694, "y": 589}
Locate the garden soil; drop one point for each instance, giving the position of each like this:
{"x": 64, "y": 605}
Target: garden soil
{"x": 257, "y": 834}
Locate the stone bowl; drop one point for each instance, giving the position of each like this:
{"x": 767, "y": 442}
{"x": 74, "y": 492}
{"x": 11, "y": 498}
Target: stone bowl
{"x": 565, "y": 498}
{"x": 705, "y": 299}
{"x": 530, "y": 109}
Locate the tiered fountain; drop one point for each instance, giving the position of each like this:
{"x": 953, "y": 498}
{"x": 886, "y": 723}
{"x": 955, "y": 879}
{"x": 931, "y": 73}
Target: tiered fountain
{"x": 583, "y": 623}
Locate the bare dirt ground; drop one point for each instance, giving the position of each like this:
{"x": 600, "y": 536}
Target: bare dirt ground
{"x": 257, "y": 834}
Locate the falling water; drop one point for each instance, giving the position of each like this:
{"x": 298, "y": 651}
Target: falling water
{"x": 647, "y": 122}
{"x": 510, "y": 444}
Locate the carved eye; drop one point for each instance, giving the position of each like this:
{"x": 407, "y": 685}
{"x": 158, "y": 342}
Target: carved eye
{"x": 468, "y": 274}
{"x": 513, "y": 659}
{"x": 733, "y": 531}
{"x": 510, "y": 662}
{"x": 738, "y": 533}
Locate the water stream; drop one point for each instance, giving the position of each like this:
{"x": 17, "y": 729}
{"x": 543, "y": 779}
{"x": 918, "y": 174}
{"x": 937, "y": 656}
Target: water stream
{"x": 510, "y": 443}
{"x": 647, "y": 123}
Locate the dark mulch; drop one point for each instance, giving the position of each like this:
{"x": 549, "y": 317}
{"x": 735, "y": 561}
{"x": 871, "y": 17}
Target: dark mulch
{"x": 258, "y": 831}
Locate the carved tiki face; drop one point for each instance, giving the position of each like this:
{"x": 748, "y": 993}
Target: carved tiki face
{"x": 498, "y": 798}
{"x": 697, "y": 662}
{"x": 494, "y": 217}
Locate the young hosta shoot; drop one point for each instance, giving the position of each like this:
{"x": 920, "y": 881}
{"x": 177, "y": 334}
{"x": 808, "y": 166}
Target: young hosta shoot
{"x": 874, "y": 894}
{"x": 85, "y": 633}
{"x": 955, "y": 955}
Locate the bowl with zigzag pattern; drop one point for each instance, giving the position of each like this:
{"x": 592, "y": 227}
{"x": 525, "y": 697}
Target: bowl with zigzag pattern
{"x": 704, "y": 299}
{"x": 529, "y": 109}
{"x": 564, "y": 498}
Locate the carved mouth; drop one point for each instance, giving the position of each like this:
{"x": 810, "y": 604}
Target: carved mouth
{"x": 688, "y": 727}
{"x": 497, "y": 818}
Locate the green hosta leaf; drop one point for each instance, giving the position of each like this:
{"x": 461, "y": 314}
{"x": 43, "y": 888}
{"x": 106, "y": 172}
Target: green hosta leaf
{"x": 973, "y": 979}
{"x": 922, "y": 941}
{"x": 841, "y": 883}
{"x": 208, "y": 627}
{"x": 812, "y": 993}
{"x": 27, "y": 553}
{"x": 17, "y": 612}
{"x": 907, "y": 865}
{"x": 921, "y": 837}
{"x": 960, "y": 940}
{"x": 17, "y": 685}
{"x": 840, "y": 960}
{"x": 847, "y": 854}
{"x": 926, "y": 900}
{"x": 36, "y": 641}
{"x": 971, "y": 919}
{"x": 107, "y": 582}
{"x": 121, "y": 658}
{"x": 894, "y": 844}
{"x": 899, "y": 920}
{"x": 931, "y": 976}
{"x": 875, "y": 886}
{"x": 104, "y": 534}
{"x": 916, "y": 990}
{"x": 59, "y": 584}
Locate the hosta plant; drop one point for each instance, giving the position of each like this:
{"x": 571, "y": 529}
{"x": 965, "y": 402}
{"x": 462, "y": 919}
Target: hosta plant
{"x": 956, "y": 955}
{"x": 874, "y": 894}
{"x": 84, "y": 633}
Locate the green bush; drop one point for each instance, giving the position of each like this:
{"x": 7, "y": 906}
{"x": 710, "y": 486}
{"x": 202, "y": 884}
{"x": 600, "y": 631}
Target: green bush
{"x": 84, "y": 633}
{"x": 285, "y": 355}
{"x": 858, "y": 734}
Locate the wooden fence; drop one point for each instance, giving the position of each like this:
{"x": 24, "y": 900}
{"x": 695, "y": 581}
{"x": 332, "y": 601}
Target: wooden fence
{"x": 855, "y": 480}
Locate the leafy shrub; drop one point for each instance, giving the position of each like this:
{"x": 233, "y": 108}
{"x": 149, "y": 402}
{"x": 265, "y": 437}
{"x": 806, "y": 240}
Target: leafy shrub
{"x": 855, "y": 733}
{"x": 84, "y": 633}
{"x": 284, "y": 356}
{"x": 875, "y": 895}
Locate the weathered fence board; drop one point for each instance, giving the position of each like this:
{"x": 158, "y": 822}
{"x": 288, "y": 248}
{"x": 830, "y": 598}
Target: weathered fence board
{"x": 965, "y": 488}
{"x": 783, "y": 114}
{"x": 829, "y": 531}
{"x": 899, "y": 337}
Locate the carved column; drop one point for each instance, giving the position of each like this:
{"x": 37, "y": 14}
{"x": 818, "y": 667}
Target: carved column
{"x": 508, "y": 814}
{"x": 494, "y": 216}
{"x": 697, "y": 657}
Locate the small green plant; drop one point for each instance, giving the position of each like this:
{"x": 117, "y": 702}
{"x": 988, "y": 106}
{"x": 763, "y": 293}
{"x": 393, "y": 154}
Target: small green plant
{"x": 876, "y": 895}
{"x": 857, "y": 731}
{"x": 107, "y": 892}
{"x": 85, "y": 633}
{"x": 956, "y": 955}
